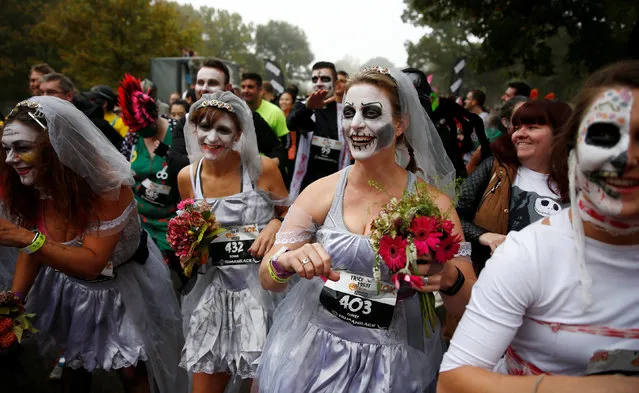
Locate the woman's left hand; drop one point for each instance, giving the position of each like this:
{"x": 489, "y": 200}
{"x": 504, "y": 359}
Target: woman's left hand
{"x": 265, "y": 239}
{"x": 436, "y": 276}
{"x": 11, "y": 235}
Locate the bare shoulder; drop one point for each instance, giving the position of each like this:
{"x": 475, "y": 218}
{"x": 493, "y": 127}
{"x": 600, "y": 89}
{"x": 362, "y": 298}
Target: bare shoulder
{"x": 442, "y": 200}
{"x": 110, "y": 209}
{"x": 269, "y": 166}
{"x": 184, "y": 182}
{"x": 316, "y": 199}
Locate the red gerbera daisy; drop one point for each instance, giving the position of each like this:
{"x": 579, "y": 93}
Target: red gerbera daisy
{"x": 426, "y": 235}
{"x": 393, "y": 252}
{"x": 447, "y": 248}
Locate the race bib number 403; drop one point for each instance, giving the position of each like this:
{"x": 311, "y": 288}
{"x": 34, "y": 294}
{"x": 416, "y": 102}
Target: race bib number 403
{"x": 354, "y": 299}
{"x": 231, "y": 247}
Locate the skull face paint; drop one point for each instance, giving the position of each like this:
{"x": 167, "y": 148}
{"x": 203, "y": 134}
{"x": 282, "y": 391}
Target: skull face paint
{"x": 209, "y": 80}
{"x": 322, "y": 79}
{"x": 603, "y": 175}
{"x": 20, "y": 144}
{"x": 368, "y": 121}
{"x": 217, "y": 139}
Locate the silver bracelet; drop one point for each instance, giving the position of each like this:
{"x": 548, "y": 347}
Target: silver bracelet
{"x": 538, "y": 382}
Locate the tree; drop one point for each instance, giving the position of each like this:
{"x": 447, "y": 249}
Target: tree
{"x": 287, "y": 44}
{"x": 20, "y": 48}
{"x": 512, "y": 31}
{"x": 379, "y": 61}
{"x": 100, "y": 42}
{"x": 349, "y": 64}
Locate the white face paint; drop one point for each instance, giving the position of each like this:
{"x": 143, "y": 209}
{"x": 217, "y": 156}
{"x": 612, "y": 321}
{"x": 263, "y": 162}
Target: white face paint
{"x": 323, "y": 80}
{"x": 217, "y": 140}
{"x": 602, "y": 152}
{"x": 20, "y": 144}
{"x": 209, "y": 80}
{"x": 368, "y": 121}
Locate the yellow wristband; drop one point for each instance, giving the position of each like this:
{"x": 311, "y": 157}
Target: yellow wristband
{"x": 274, "y": 275}
{"x": 38, "y": 241}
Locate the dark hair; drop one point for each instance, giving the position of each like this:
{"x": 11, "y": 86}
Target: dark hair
{"x": 268, "y": 87}
{"x": 325, "y": 64}
{"x": 624, "y": 73}
{"x": 254, "y": 77}
{"x": 42, "y": 68}
{"x": 218, "y": 65}
{"x": 65, "y": 83}
{"x": 343, "y": 73}
{"x": 104, "y": 93}
{"x": 183, "y": 103}
{"x": 506, "y": 111}
{"x": 72, "y": 197}
{"x": 479, "y": 96}
{"x": 294, "y": 90}
{"x": 522, "y": 88}
{"x": 190, "y": 93}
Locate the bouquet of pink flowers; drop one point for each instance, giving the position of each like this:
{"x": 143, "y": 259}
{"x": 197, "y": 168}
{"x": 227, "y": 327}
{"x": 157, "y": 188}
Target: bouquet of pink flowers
{"x": 191, "y": 231}
{"x": 411, "y": 229}
{"x": 14, "y": 322}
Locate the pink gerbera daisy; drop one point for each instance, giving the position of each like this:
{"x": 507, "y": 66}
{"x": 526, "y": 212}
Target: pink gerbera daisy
{"x": 393, "y": 252}
{"x": 426, "y": 235}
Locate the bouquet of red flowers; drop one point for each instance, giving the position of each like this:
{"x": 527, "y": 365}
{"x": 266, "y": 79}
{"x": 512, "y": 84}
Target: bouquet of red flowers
{"x": 191, "y": 231}
{"x": 14, "y": 322}
{"x": 411, "y": 229}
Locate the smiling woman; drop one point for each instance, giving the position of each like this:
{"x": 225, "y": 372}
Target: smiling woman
{"x": 552, "y": 305}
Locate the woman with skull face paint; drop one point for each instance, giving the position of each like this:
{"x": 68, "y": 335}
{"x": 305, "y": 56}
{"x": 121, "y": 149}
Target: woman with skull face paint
{"x": 99, "y": 290}
{"x": 519, "y": 185}
{"x": 317, "y": 344}
{"x": 559, "y": 297}
{"x": 226, "y": 314}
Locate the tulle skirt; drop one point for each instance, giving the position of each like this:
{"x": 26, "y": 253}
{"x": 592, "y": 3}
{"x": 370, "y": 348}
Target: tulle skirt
{"x": 226, "y": 317}
{"x": 8, "y": 257}
{"x": 310, "y": 350}
{"x": 113, "y": 324}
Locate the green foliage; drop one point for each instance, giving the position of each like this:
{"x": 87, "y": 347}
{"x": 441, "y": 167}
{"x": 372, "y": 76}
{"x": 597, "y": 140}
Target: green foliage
{"x": 597, "y": 31}
{"x": 287, "y": 44}
{"x": 100, "y": 42}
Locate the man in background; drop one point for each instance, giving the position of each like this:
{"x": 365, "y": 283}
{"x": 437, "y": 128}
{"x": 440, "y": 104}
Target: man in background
{"x": 37, "y": 72}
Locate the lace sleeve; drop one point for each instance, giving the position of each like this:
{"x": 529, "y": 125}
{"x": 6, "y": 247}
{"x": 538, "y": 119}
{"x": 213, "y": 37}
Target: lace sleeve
{"x": 298, "y": 227}
{"x": 107, "y": 228}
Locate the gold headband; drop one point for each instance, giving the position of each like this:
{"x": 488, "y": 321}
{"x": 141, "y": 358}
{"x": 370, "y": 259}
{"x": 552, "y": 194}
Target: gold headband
{"x": 36, "y": 112}
{"x": 216, "y": 104}
{"x": 380, "y": 69}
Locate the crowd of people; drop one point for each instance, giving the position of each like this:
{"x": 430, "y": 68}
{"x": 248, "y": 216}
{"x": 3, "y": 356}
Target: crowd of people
{"x": 538, "y": 298}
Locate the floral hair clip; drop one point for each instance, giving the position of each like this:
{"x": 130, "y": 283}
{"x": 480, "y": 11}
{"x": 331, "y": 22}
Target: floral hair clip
{"x": 216, "y": 104}
{"x": 380, "y": 69}
{"x": 34, "y": 109}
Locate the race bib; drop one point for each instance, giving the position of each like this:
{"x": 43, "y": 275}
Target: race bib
{"x": 231, "y": 247}
{"x": 354, "y": 299}
{"x": 154, "y": 193}
{"x": 326, "y": 149}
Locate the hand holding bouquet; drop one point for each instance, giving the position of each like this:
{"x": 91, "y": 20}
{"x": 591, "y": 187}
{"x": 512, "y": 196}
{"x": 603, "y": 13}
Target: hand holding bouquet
{"x": 407, "y": 232}
{"x": 14, "y": 322}
{"x": 191, "y": 231}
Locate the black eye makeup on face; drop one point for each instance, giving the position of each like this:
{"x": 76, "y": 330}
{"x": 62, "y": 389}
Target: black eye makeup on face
{"x": 348, "y": 111}
{"x": 204, "y": 126}
{"x": 325, "y": 79}
{"x": 372, "y": 111}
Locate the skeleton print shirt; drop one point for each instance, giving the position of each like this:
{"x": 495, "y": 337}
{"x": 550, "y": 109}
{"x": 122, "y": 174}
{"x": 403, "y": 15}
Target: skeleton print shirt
{"x": 531, "y": 199}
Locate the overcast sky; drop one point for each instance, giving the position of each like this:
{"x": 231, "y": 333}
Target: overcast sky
{"x": 362, "y": 29}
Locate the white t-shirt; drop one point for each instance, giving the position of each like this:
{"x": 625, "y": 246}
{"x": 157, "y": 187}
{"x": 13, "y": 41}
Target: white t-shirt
{"x": 531, "y": 199}
{"x": 534, "y": 274}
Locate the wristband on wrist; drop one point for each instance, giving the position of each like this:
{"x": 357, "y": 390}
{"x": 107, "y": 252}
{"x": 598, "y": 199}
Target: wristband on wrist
{"x": 452, "y": 291}
{"x": 276, "y": 272}
{"x": 38, "y": 241}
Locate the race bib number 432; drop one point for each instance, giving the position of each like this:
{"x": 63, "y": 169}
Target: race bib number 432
{"x": 231, "y": 247}
{"x": 354, "y": 299}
